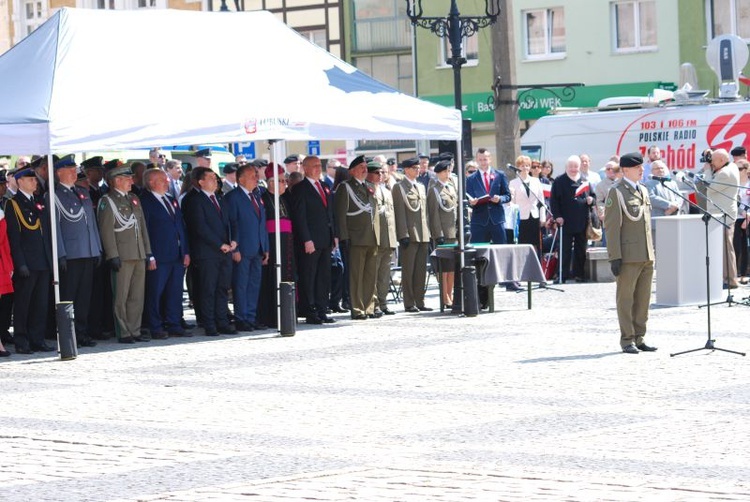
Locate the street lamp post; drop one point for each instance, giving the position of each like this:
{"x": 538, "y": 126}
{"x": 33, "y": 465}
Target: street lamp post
{"x": 455, "y": 28}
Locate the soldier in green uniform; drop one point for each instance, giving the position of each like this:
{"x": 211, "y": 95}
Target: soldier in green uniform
{"x": 442, "y": 203}
{"x": 377, "y": 174}
{"x": 358, "y": 227}
{"x": 410, "y": 207}
{"x": 627, "y": 218}
{"x": 126, "y": 248}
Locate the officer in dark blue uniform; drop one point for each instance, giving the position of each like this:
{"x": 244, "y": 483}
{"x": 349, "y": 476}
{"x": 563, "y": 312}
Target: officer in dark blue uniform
{"x": 78, "y": 244}
{"x": 28, "y": 233}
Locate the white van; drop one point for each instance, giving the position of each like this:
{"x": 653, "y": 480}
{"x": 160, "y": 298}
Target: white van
{"x": 681, "y": 131}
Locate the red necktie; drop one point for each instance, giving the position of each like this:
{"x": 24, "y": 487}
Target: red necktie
{"x": 215, "y": 203}
{"x": 322, "y": 193}
{"x": 487, "y": 182}
{"x": 255, "y": 203}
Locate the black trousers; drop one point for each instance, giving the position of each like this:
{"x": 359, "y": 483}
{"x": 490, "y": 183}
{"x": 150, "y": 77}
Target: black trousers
{"x": 75, "y": 286}
{"x": 315, "y": 281}
{"x": 101, "y": 316}
{"x": 214, "y": 281}
{"x": 6, "y": 316}
{"x": 30, "y": 314}
{"x": 740, "y": 247}
{"x": 529, "y": 232}
{"x": 573, "y": 246}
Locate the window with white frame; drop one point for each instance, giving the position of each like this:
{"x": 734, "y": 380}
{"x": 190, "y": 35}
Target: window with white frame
{"x": 34, "y": 14}
{"x": 634, "y": 25}
{"x": 729, "y": 17}
{"x": 544, "y": 33}
{"x": 469, "y": 50}
{"x": 318, "y": 37}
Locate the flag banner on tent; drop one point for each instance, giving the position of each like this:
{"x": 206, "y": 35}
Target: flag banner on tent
{"x": 276, "y": 125}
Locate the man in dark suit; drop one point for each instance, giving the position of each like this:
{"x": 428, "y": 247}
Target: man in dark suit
{"x": 211, "y": 248}
{"x": 312, "y": 217}
{"x": 247, "y": 225}
{"x": 570, "y": 200}
{"x": 169, "y": 246}
{"x": 488, "y": 191}
{"x": 79, "y": 246}
{"x": 28, "y": 234}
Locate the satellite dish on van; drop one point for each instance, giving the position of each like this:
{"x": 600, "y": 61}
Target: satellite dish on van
{"x": 727, "y": 55}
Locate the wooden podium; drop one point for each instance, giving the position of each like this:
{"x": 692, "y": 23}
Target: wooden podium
{"x": 681, "y": 260}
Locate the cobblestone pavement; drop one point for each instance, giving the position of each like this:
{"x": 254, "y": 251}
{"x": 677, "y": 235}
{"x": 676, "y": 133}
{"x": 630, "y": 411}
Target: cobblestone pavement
{"x": 514, "y": 405}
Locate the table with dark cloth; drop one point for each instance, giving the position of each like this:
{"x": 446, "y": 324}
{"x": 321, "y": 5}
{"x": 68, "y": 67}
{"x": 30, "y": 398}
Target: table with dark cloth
{"x": 498, "y": 263}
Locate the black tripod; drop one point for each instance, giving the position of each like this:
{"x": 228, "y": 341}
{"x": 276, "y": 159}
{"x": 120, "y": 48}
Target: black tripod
{"x": 707, "y": 217}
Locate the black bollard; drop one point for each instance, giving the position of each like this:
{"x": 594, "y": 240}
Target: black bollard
{"x": 471, "y": 299}
{"x": 288, "y": 317}
{"x": 66, "y": 331}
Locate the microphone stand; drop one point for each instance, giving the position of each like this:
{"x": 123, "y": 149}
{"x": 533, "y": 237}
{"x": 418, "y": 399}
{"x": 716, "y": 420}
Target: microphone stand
{"x": 706, "y": 218}
{"x": 540, "y": 205}
{"x": 730, "y": 298}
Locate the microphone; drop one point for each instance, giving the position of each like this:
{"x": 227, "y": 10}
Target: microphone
{"x": 513, "y": 168}
{"x": 679, "y": 176}
{"x": 698, "y": 178}
{"x": 661, "y": 179}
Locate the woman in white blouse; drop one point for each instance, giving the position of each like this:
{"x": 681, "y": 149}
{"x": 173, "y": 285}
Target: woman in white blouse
{"x": 526, "y": 191}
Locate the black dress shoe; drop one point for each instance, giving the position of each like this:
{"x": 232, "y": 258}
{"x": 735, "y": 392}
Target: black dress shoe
{"x": 141, "y": 339}
{"x": 375, "y": 315}
{"x": 42, "y": 348}
{"x": 178, "y": 334}
{"x": 447, "y": 306}
{"x": 87, "y": 342}
{"x": 211, "y": 332}
{"x": 327, "y": 320}
{"x": 359, "y": 317}
{"x": 24, "y": 350}
{"x": 186, "y": 325}
{"x": 313, "y": 320}
{"x": 4, "y": 353}
{"x": 425, "y": 309}
{"x": 630, "y": 349}
{"x": 412, "y": 310}
{"x": 646, "y": 348}
{"x": 340, "y": 310}
{"x": 243, "y": 326}
{"x": 227, "y": 330}
{"x": 388, "y": 312}
{"x": 259, "y": 326}
{"x": 159, "y": 335}
{"x": 126, "y": 339}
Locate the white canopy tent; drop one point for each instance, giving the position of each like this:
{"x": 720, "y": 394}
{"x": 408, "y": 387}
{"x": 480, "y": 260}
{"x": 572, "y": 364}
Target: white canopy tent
{"x": 107, "y": 80}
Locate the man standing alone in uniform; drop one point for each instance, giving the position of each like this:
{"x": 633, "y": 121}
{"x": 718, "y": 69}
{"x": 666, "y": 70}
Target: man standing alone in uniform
{"x": 126, "y": 248}
{"x": 627, "y": 218}
{"x": 358, "y": 225}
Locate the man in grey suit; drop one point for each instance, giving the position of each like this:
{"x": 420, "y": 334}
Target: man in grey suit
{"x": 79, "y": 247}
{"x": 663, "y": 194}
{"x": 627, "y": 218}
{"x": 410, "y": 207}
